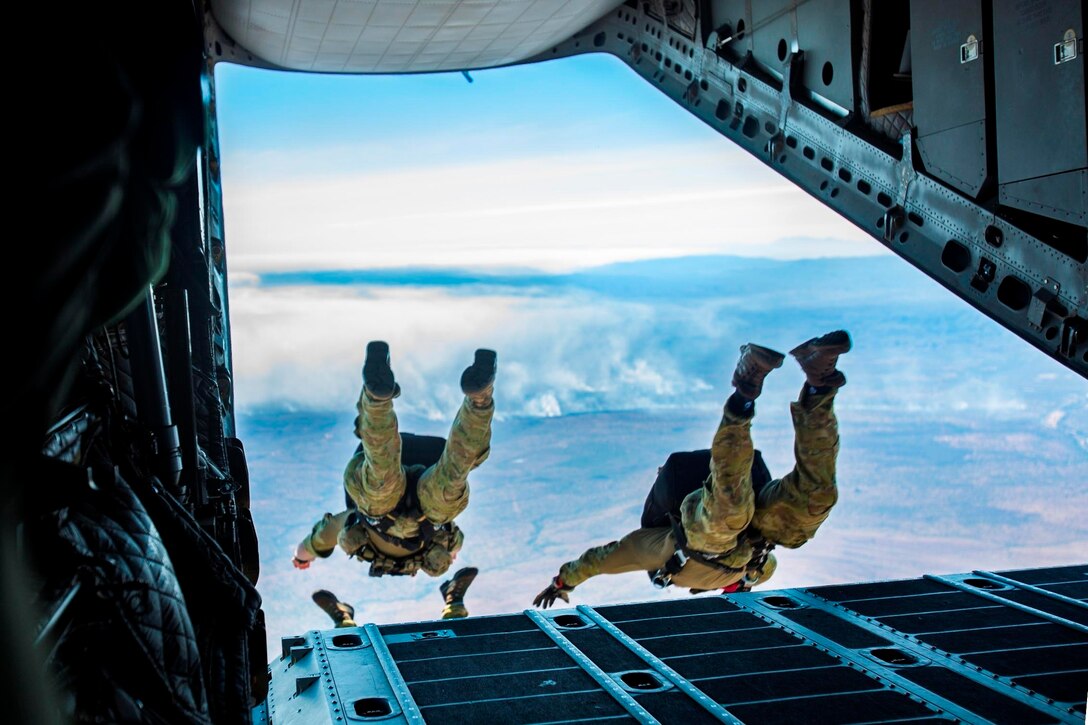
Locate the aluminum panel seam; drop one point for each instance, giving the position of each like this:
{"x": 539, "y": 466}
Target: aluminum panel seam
{"x": 1008, "y": 603}
{"x": 628, "y": 703}
{"x": 1032, "y": 588}
{"x": 960, "y": 666}
{"x": 685, "y": 686}
{"x": 885, "y": 675}
{"x": 409, "y": 708}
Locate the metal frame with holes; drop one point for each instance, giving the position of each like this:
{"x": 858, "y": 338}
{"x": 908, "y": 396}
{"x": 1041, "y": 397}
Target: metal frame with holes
{"x": 752, "y": 603}
{"x": 681, "y": 683}
{"x": 1031, "y": 588}
{"x": 409, "y": 708}
{"x": 926, "y": 652}
{"x": 948, "y": 581}
{"x": 599, "y": 676}
{"x": 772, "y": 116}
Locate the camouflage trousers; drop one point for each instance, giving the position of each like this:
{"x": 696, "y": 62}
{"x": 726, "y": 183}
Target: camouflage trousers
{"x": 788, "y": 510}
{"x": 375, "y": 478}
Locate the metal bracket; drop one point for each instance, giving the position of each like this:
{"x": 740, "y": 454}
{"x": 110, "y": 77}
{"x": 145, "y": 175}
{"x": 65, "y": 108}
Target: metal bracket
{"x": 791, "y": 70}
{"x": 1039, "y": 302}
{"x": 985, "y": 275}
{"x": 1067, "y": 49}
{"x": 303, "y": 682}
{"x": 1068, "y": 343}
{"x": 702, "y": 53}
{"x": 289, "y": 643}
{"x": 905, "y": 170}
{"x": 894, "y": 220}
{"x": 970, "y": 50}
{"x": 691, "y": 93}
{"x": 298, "y": 653}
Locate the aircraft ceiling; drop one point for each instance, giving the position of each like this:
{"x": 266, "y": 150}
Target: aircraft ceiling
{"x": 401, "y": 36}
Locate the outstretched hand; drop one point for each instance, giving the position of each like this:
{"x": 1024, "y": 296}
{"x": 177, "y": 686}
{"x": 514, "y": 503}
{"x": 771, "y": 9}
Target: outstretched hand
{"x": 555, "y": 590}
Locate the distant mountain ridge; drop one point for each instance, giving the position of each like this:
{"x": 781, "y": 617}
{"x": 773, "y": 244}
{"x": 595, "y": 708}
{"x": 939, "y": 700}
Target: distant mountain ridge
{"x": 671, "y": 277}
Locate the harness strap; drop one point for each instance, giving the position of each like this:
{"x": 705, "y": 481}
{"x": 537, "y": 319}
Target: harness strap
{"x": 381, "y": 563}
{"x": 761, "y": 547}
{"x": 381, "y": 526}
{"x": 408, "y": 506}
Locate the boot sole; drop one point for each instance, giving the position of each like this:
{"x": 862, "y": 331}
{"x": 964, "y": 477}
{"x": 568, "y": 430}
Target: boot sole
{"x": 833, "y": 343}
{"x": 838, "y": 342}
{"x": 768, "y": 358}
{"x": 762, "y": 360}
{"x": 469, "y": 573}
{"x": 327, "y": 602}
{"x": 377, "y": 375}
{"x": 481, "y": 373}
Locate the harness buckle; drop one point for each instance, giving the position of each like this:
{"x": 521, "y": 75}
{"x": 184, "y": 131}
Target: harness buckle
{"x": 660, "y": 579}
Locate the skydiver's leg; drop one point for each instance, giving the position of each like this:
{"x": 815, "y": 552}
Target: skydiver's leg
{"x": 443, "y": 487}
{"x": 714, "y": 515}
{"x": 374, "y": 477}
{"x": 790, "y": 509}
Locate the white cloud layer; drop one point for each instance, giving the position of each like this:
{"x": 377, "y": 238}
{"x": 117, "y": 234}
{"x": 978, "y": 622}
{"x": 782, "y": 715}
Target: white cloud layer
{"x": 550, "y": 212}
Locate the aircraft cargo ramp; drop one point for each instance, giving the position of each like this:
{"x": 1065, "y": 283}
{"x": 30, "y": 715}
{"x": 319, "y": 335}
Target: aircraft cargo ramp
{"x": 1010, "y": 647}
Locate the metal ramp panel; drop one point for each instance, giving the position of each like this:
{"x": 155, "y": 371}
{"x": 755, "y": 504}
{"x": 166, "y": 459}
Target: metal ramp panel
{"x": 1008, "y": 647}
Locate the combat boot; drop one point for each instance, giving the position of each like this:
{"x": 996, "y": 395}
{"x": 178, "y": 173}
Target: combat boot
{"x": 342, "y": 614}
{"x": 377, "y": 375}
{"x": 818, "y": 357}
{"x": 453, "y": 590}
{"x": 754, "y": 364}
{"x": 478, "y": 380}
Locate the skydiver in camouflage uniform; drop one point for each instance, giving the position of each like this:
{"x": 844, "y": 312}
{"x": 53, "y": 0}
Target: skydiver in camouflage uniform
{"x": 727, "y": 527}
{"x": 452, "y": 590}
{"x": 403, "y": 520}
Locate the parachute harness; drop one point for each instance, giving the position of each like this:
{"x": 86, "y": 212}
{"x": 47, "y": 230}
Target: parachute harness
{"x": 761, "y": 548}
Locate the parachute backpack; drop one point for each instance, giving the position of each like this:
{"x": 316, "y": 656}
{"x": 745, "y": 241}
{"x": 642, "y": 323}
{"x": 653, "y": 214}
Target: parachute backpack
{"x": 683, "y": 473}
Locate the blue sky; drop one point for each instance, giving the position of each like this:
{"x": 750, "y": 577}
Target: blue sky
{"x": 567, "y": 164}
{"x": 533, "y": 211}
{"x": 575, "y": 104}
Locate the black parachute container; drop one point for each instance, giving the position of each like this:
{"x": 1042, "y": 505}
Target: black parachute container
{"x": 683, "y": 472}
